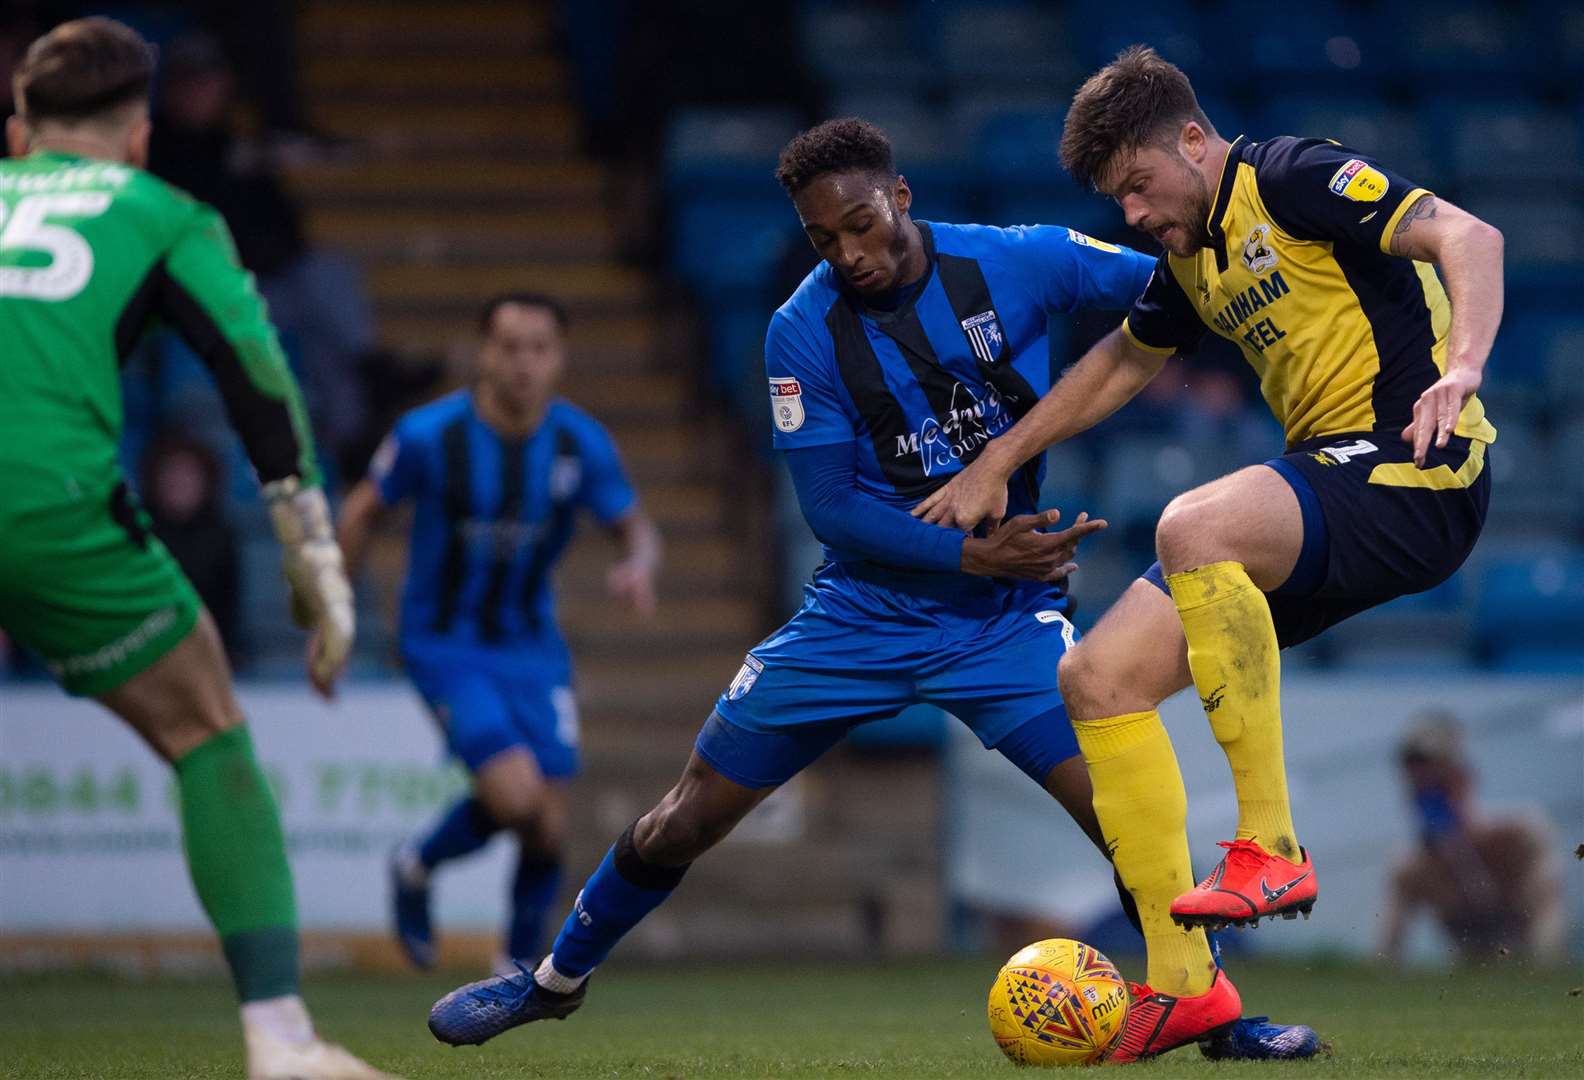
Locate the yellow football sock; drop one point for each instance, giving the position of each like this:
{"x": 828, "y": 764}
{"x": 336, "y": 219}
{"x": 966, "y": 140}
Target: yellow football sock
{"x": 1236, "y": 665}
{"x": 1143, "y": 811}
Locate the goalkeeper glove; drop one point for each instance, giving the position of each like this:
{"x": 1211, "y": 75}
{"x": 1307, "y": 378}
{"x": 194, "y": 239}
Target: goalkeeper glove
{"x": 321, "y": 598}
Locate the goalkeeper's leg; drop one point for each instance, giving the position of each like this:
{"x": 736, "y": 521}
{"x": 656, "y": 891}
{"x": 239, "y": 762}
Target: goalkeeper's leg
{"x": 184, "y": 707}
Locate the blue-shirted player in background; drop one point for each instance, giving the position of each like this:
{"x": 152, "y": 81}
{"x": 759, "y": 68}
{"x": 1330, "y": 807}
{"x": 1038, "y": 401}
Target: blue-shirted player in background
{"x": 899, "y": 357}
{"x": 498, "y": 474}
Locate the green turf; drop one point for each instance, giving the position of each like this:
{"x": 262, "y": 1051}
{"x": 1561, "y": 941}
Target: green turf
{"x": 904, "y": 1020}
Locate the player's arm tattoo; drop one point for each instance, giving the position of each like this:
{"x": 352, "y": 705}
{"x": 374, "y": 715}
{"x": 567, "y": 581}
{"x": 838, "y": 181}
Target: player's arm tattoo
{"x": 1423, "y": 207}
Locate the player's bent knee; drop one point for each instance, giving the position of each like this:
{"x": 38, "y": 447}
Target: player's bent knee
{"x": 1083, "y": 680}
{"x": 1186, "y": 533}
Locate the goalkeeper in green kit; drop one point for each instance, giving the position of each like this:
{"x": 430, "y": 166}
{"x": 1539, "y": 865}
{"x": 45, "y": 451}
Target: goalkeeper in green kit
{"x": 93, "y": 252}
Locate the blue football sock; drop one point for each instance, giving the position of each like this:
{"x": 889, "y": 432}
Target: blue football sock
{"x": 533, "y": 891}
{"x": 622, "y": 891}
{"x": 465, "y": 828}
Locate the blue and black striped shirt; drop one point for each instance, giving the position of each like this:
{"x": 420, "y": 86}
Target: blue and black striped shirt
{"x": 492, "y": 516}
{"x": 919, "y": 391}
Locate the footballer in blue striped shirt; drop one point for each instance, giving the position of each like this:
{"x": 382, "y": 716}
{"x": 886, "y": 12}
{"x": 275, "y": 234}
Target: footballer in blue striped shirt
{"x": 498, "y": 474}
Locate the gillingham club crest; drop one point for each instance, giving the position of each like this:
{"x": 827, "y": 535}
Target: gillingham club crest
{"x": 984, "y": 336}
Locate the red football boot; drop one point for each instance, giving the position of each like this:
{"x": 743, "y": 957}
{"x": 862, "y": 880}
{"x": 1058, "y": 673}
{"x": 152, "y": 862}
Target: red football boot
{"x": 1157, "y": 1023}
{"x": 1247, "y": 885}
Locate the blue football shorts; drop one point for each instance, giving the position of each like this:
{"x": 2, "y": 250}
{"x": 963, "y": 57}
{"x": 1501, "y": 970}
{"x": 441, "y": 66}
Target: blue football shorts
{"x": 485, "y": 704}
{"x": 868, "y": 643}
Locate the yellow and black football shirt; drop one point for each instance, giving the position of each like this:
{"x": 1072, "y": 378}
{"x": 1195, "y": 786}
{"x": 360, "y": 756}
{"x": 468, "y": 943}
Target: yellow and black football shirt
{"x": 1344, "y": 335}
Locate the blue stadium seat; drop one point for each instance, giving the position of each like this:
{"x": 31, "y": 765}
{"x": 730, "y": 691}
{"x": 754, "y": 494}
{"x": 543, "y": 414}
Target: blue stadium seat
{"x": 1321, "y": 44}
{"x": 1531, "y": 611}
{"x": 1567, "y": 461}
{"x": 736, "y": 351}
{"x": 1560, "y": 341}
{"x": 1230, "y": 116}
{"x": 1139, "y": 475}
{"x": 1559, "y": 25}
{"x": 1015, "y": 205}
{"x": 1110, "y": 28}
{"x": 1017, "y": 143}
{"x": 1511, "y": 143}
{"x": 730, "y": 245}
{"x": 1427, "y": 631}
{"x": 1394, "y": 136}
{"x": 718, "y": 151}
{"x": 1002, "y": 44}
{"x": 1544, "y": 241}
{"x": 1524, "y": 492}
{"x": 863, "y": 45}
{"x": 926, "y": 149}
{"x": 1464, "y": 43}
{"x": 1543, "y": 349}
{"x": 1069, "y": 484}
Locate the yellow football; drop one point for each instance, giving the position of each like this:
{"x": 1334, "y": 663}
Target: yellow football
{"x": 1057, "y": 1002}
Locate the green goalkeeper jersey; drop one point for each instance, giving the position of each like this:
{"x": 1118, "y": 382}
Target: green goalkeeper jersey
{"x": 92, "y": 255}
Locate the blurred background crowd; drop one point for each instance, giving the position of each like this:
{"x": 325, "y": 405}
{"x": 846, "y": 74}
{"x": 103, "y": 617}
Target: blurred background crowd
{"x": 385, "y": 166}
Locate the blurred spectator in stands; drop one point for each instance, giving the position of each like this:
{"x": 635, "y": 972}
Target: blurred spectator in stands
{"x": 181, "y": 485}
{"x": 1490, "y": 879}
{"x": 20, "y": 23}
{"x": 316, "y": 297}
{"x": 262, "y": 37}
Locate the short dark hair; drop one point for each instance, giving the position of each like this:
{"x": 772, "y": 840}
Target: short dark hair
{"x": 847, "y": 145}
{"x": 1137, "y": 100}
{"x": 524, "y": 298}
{"x": 82, "y": 69}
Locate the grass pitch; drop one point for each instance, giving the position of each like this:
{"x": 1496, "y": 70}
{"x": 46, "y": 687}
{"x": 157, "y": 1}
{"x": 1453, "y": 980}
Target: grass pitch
{"x": 902, "y": 1020}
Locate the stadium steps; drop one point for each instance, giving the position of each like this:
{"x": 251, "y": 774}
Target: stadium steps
{"x": 441, "y": 32}
{"x": 601, "y": 341}
{"x": 715, "y": 566}
{"x": 462, "y": 176}
{"x": 602, "y": 284}
{"x": 441, "y": 184}
{"x": 425, "y": 233}
{"x": 359, "y": 77}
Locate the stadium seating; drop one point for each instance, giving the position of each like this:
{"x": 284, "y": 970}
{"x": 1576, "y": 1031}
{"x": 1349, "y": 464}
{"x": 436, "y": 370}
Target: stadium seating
{"x": 1530, "y": 614}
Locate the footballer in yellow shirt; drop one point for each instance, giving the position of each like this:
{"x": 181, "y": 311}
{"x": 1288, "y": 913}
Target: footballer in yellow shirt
{"x": 1320, "y": 263}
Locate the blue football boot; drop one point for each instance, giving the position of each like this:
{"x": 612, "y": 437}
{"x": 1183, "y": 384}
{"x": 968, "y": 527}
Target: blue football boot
{"x": 1255, "y": 1038}
{"x": 481, "y": 1010}
{"x": 414, "y": 932}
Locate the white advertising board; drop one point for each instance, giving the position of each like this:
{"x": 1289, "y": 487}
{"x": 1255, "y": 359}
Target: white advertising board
{"x": 90, "y": 838}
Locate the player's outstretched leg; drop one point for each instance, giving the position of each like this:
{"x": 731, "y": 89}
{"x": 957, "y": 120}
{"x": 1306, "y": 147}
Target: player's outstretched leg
{"x": 1111, "y": 682}
{"x": 636, "y": 876}
{"x": 461, "y": 830}
{"x": 1220, "y": 546}
{"x": 184, "y": 707}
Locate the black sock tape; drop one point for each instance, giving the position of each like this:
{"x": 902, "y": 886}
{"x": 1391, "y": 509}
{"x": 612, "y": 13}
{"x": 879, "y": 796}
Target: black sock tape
{"x": 631, "y": 865}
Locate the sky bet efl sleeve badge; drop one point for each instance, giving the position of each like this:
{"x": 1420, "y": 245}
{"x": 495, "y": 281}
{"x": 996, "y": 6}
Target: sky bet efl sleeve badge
{"x": 786, "y": 404}
{"x": 1359, "y": 181}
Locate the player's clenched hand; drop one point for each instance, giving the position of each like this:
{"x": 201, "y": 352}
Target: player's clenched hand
{"x": 632, "y": 581}
{"x": 1017, "y": 549}
{"x": 1435, "y": 414}
{"x": 321, "y": 597}
{"x": 977, "y": 494}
